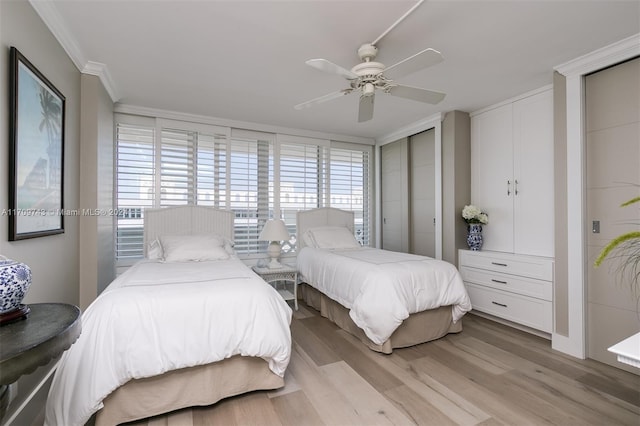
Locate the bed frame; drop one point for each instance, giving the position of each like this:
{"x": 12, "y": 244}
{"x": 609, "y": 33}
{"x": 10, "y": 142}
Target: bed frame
{"x": 194, "y": 386}
{"x": 419, "y": 328}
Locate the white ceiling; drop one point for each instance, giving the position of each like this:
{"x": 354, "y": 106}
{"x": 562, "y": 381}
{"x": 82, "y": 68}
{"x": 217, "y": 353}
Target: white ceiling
{"x": 244, "y": 60}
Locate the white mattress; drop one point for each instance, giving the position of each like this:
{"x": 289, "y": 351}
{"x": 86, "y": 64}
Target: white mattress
{"x": 382, "y": 288}
{"x": 158, "y": 317}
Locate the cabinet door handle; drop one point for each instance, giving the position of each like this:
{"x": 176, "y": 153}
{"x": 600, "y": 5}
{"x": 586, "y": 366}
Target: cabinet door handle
{"x": 498, "y": 264}
{"x": 498, "y": 281}
{"x": 516, "y": 186}
{"x": 499, "y": 304}
{"x": 508, "y": 188}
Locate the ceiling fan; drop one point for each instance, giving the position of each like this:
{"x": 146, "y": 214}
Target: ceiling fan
{"x": 369, "y": 76}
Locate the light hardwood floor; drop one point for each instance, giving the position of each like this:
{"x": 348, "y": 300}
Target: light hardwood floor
{"x": 488, "y": 374}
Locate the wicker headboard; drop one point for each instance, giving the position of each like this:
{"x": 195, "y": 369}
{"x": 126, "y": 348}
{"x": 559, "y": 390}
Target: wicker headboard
{"x": 186, "y": 220}
{"x": 325, "y": 216}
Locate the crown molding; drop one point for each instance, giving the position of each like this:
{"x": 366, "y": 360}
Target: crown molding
{"x": 512, "y": 99}
{"x": 54, "y": 21}
{"x": 411, "y": 129}
{"x": 614, "y": 53}
{"x": 101, "y": 71}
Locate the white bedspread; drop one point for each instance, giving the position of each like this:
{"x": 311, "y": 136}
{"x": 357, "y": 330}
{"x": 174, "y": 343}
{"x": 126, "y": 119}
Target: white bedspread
{"x": 158, "y": 317}
{"x": 381, "y": 288}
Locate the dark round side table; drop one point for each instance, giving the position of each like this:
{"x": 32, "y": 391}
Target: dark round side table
{"x": 49, "y": 330}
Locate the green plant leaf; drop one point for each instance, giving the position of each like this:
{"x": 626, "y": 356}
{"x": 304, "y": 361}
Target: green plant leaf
{"x": 629, "y": 236}
{"x": 631, "y": 201}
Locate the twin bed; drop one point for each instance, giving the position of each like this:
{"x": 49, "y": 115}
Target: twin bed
{"x": 188, "y": 330}
{"x": 386, "y": 299}
{"x": 192, "y": 324}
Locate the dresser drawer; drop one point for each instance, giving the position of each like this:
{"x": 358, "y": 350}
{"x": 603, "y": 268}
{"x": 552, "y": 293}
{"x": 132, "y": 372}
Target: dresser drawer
{"x": 529, "y": 266}
{"x": 534, "y": 313}
{"x": 512, "y": 283}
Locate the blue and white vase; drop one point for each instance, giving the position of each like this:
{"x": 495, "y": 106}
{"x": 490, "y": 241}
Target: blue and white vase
{"x": 15, "y": 279}
{"x": 474, "y": 236}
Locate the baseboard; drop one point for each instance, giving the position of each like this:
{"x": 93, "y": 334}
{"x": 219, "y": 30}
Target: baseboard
{"x": 512, "y": 324}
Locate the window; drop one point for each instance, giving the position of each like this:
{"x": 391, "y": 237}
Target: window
{"x": 349, "y": 186}
{"x": 257, "y": 175}
{"x": 250, "y": 184}
{"x": 135, "y": 185}
{"x": 302, "y": 179}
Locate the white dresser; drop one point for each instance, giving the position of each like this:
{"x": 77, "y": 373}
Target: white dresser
{"x": 514, "y": 287}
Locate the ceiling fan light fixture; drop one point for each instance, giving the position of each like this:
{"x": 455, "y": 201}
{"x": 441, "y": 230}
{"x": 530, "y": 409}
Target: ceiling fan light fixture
{"x": 368, "y": 89}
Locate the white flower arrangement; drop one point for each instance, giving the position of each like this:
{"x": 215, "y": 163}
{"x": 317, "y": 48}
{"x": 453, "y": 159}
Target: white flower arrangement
{"x": 473, "y": 214}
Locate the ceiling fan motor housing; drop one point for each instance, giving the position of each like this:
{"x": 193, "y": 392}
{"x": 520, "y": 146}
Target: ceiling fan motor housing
{"x": 367, "y": 52}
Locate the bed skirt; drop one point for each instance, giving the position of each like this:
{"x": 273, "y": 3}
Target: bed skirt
{"x": 187, "y": 387}
{"x": 419, "y": 328}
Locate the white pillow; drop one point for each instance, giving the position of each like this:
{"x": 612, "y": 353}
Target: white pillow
{"x": 229, "y": 247}
{"x": 154, "y": 250}
{"x": 336, "y": 237}
{"x": 184, "y": 248}
{"x": 307, "y": 237}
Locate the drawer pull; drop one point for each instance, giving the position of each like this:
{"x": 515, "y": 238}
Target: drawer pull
{"x": 499, "y": 304}
{"x": 498, "y": 264}
{"x": 498, "y": 281}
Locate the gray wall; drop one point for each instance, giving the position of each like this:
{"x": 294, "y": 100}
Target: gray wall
{"x": 456, "y": 182}
{"x": 97, "y": 258}
{"x": 53, "y": 259}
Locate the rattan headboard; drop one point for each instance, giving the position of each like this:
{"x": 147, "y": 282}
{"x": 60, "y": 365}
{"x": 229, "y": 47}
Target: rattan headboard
{"x": 325, "y": 216}
{"x": 186, "y": 220}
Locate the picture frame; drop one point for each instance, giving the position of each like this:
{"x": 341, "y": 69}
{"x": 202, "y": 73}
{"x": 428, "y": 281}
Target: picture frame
{"x": 36, "y": 152}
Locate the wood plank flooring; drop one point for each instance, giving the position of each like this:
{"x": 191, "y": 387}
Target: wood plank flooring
{"x": 489, "y": 374}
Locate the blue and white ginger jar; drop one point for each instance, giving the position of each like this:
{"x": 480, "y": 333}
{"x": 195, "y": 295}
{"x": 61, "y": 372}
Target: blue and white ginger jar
{"x": 15, "y": 279}
{"x": 474, "y": 236}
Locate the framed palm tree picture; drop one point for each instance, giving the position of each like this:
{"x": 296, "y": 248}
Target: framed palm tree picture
{"x": 36, "y": 152}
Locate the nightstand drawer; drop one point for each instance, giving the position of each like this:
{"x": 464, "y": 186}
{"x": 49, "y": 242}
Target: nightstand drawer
{"x": 532, "y": 312}
{"x": 529, "y": 266}
{"x": 512, "y": 283}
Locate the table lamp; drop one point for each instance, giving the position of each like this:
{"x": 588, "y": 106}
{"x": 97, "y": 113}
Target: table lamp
{"x": 275, "y": 231}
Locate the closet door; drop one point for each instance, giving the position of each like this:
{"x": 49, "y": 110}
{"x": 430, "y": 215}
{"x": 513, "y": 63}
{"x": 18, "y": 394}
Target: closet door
{"x": 394, "y": 184}
{"x": 612, "y": 119}
{"x": 492, "y": 183}
{"x": 422, "y": 202}
{"x": 533, "y": 175}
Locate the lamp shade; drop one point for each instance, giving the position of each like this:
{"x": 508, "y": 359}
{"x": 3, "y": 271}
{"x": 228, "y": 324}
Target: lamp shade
{"x": 274, "y": 230}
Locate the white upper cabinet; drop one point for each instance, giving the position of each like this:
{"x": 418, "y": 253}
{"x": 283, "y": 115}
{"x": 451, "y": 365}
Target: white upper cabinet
{"x": 512, "y": 174}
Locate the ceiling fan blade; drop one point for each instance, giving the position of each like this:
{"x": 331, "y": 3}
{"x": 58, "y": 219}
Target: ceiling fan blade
{"x": 365, "y": 111}
{"x": 324, "y": 98}
{"x": 420, "y": 60}
{"x": 416, "y": 94}
{"x": 330, "y": 67}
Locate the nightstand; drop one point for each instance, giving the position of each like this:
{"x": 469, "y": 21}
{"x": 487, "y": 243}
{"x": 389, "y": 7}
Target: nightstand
{"x": 278, "y": 278}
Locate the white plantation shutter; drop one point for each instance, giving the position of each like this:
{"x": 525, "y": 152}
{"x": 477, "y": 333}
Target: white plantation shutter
{"x": 251, "y": 188}
{"x": 303, "y": 181}
{"x": 211, "y": 166}
{"x": 193, "y": 168}
{"x": 350, "y": 185}
{"x": 177, "y": 167}
{"x": 135, "y": 185}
